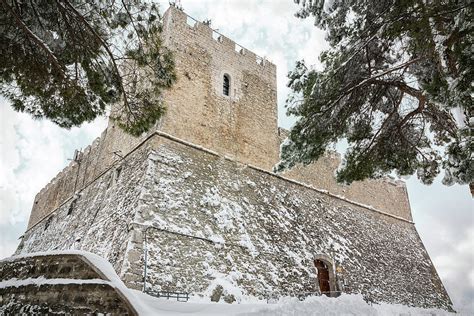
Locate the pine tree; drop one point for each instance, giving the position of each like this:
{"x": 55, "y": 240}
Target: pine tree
{"x": 394, "y": 73}
{"x": 70, "y": 60}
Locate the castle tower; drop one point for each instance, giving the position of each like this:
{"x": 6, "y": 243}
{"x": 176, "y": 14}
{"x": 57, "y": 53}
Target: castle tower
{"x": 225, "y": 96}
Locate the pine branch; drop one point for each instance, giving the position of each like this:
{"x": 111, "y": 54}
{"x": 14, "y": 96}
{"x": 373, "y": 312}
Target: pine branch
{"x": 133, "y": 23}
{"x": 104, "y": 45}
{"x": 32, "y": 36}
{"x": 386, "y": 72}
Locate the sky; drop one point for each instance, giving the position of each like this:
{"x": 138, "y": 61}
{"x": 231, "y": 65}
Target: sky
{"x": 32, "y": 152}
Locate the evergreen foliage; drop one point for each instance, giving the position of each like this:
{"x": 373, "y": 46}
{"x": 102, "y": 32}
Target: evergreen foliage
{"x": 66, "y": 60}
{"x": 395, "y": 72}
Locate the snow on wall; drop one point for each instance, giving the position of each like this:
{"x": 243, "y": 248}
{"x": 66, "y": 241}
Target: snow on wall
{"x": 97, "y": 219}
{"x": 220, "y": 228}
{"x": 218, "y": 222}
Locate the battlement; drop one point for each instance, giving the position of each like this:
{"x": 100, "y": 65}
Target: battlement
{"x": 62, "y": 187}
{"x": 85, "y": 166}
{"x": 177, "y": 24}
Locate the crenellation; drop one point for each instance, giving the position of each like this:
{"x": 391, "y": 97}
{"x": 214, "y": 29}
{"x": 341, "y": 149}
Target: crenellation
{"x": 191, "y": 22}
{"x": 74, "y": 176}
{"x": 65, "y": 186}
{"x": 227, "y": 45}
{"x": 216, "y": 36}
{"x": 58, "y": 186}
{"x": 81, "y": 173}
{"x": 385, "y": 193}
{"x": 96, "y": 142}
{"x": 204, "y": 29}
{"x": 92, "y": 161}
{"x": 250, "y": 57}
{"x": 239, "y": 49}
{"x": 175, "y": 20}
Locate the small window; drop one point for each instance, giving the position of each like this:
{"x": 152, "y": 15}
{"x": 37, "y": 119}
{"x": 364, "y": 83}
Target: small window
{"x": 226, "y": 85}
{"x": 48, "y": 222}
{"x": 71, "y": 206}
{"x": 118, "y": 171}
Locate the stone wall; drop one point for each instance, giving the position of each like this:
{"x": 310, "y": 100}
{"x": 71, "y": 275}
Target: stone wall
{"x": 49, "y": 267}
{"x": 97, "y": 219}
{"x": 385, "y": 194}
{"x": 62, "y": 299}
{"x": 219, "y": 222}
{"x": 88, "y": 165}
{"x": 211, "y": 224}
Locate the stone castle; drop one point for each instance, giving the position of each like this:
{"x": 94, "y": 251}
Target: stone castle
{"x": 193, "y": 206}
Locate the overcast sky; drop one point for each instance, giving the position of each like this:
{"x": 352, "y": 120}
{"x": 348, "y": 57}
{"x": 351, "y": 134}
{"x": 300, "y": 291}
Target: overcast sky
{"x": 33, "y": 152}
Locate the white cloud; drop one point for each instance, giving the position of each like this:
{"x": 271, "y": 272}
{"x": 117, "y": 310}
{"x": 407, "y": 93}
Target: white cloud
{"x": 445, "y": 222}
{"x": 32, "y": 153}
{"x": 7, "y": 247}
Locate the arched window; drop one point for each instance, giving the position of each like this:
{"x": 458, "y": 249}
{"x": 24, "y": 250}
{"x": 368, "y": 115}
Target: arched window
{"x": 226, "y": 85}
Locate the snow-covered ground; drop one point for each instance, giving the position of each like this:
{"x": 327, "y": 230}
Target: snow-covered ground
{"x": 343, "y": 305}
{"x": 149, "y": 305}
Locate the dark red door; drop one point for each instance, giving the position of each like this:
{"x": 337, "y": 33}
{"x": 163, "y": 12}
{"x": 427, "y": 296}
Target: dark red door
{"x": 323, "y": 277}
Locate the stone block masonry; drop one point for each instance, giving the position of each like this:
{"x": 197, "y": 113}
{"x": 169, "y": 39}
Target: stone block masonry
{"x": 45, "y": 266}
{"x": 207, "y": 223}
{"x": 62, "y": 299}
{"x": 384, "y": 194}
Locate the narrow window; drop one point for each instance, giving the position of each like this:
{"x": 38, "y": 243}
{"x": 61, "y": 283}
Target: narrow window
{"x": 48, "y": 222}
{"x": 71, "y": 206}
{"x": 226, "y": 85}
{"x": 117, "y": 174}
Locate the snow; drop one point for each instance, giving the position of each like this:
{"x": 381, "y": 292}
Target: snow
{"x": 213, "y": 199}
{"x": 459, "y": 116}
{"x": 321, "y": 305}
{"x": 245, "y": 305}
{"x": 42, "y": 281}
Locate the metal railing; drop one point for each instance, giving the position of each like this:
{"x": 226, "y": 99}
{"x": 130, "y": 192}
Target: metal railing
{"x": 179, "y": 296}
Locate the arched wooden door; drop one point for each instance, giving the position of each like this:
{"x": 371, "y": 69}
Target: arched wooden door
{"x": 323, "y": 277}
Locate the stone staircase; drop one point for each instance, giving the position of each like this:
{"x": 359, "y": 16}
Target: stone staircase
{"x": 58, "y": 284}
